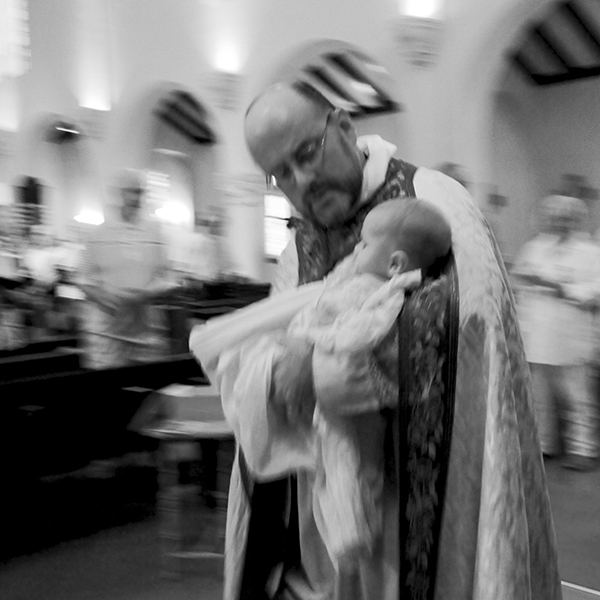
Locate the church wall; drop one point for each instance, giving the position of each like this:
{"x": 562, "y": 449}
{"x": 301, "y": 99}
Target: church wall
{"x": 567, "y": 128}
{"x": 539, "y": 134}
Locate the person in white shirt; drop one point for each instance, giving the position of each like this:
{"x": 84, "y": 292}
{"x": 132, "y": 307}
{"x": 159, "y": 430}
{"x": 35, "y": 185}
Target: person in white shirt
{"x": 558, "y": 275}
{"x": 125, "y": 271}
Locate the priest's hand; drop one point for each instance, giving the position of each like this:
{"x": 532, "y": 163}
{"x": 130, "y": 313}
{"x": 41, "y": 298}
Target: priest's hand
{"x": 292, "y": 395}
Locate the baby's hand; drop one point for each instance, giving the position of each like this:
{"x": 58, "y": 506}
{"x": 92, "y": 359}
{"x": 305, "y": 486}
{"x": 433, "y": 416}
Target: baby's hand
{"x": 292, "y": 394}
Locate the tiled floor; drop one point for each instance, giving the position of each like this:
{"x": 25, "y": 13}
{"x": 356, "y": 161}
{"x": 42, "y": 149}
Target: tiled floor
{"x": 97, "y": 539}
{"x": 109, "y": 551}
{"x": 119, "y": 563}
{"x": 575, "y": 499}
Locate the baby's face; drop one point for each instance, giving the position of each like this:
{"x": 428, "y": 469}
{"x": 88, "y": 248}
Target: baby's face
{"x": 373, "y": 252}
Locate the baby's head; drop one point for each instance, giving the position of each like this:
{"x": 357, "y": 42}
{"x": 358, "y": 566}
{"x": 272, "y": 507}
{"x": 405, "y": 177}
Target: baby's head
{"x": 402, "y": 235}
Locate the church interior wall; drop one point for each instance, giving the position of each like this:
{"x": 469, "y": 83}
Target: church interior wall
{"x": 538, "y": 135}
{"x": 566, "y": 125}
{"x": 448, "y": 106}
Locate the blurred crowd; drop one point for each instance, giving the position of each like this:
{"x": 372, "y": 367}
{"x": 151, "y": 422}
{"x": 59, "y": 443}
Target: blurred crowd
{"x": 37, "y": 286}
{"x": 110, "y": 286}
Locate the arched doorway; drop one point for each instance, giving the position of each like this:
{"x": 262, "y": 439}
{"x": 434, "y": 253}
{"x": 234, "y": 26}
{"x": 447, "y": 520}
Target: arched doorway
{"x": 170, "y": 133}
{"x": 545, "y": 118}
{"x": 182, "y": 188}
{"x": 490, "y": 107}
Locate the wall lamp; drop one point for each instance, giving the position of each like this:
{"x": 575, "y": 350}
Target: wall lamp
{"x": 419, "y": 29}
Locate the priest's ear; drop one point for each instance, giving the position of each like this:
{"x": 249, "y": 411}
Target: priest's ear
{"x": 398, "y": 263}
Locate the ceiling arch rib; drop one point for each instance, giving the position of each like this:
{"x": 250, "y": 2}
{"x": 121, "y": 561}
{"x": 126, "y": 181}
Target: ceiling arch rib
{"x": 186, "y": 115}
{"x": 584, "y": 25}
{"x": 562, "y": 46}
{"x": 553, "y": 46}
{"x": 350, "y": 81}
{"x": 335, "y": 99}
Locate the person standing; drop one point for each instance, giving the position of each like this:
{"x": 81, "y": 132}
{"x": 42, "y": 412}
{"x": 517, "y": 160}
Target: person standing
{"x": 493, "y": 535}
{"x": 559, "y": 286}
{"x": 124, "y": 273}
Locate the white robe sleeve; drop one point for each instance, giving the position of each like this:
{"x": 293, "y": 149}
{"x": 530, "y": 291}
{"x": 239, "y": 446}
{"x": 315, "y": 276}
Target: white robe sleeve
{"x": 237, "y": 352}
{"x": 271, "y": 449}
{"x": 210, "y": 340}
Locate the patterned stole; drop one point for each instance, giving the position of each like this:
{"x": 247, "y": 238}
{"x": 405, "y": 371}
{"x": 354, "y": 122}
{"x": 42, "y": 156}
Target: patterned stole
{"x": 428, "y": 346}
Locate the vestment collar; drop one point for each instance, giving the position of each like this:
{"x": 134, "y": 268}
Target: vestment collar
{"x": 378, "y": 153}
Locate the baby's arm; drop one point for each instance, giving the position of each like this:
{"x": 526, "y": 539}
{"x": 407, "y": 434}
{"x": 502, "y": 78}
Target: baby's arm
{"x": 292, "y": 395}
{"x": 343, "y": 371}
{"x": 362, "y": 321}
{"x": 355, "y": 382}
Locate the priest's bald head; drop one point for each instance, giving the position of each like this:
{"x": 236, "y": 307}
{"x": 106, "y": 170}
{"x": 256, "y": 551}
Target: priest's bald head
{"x": 298, "y": 137}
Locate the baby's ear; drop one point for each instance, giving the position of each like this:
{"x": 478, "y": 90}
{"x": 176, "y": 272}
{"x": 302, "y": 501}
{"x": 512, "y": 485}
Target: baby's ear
{"x": 398, "y": 263}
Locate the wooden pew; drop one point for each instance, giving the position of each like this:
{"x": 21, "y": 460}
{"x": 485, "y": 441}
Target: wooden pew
{"x": 39, "y": 347}
{"x": 40, "y": 364}
{"x": 59, "y": 422}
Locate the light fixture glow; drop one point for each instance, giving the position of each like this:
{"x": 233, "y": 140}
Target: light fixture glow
{"x": 223, "y": 37}
{"x": 424, "y": 9}
{"x": 95, "y": 102}
{"x": 67, "y": 130}
{"x": 173, "y": 212}
{"x": 92, "y": 68}
{"x": 227, "y": 57}
{"x": 90, "y": 217}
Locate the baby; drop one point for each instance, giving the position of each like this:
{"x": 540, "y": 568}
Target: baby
{"x": 350, "y": 313}
{"x": 400, "y": 242}
{"x": 360, "y": 302}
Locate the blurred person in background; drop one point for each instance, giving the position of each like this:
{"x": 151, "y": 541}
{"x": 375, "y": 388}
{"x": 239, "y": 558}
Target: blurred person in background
{"x": 558, "y": 286}
{"x": 125, "y": 272}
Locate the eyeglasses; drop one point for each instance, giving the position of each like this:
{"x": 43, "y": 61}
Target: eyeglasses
{"x": 305, "y": 156}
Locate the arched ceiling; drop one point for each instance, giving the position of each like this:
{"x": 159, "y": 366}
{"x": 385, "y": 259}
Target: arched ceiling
{"x": 185, "y": 114}
{"x": 562, "y": 45}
